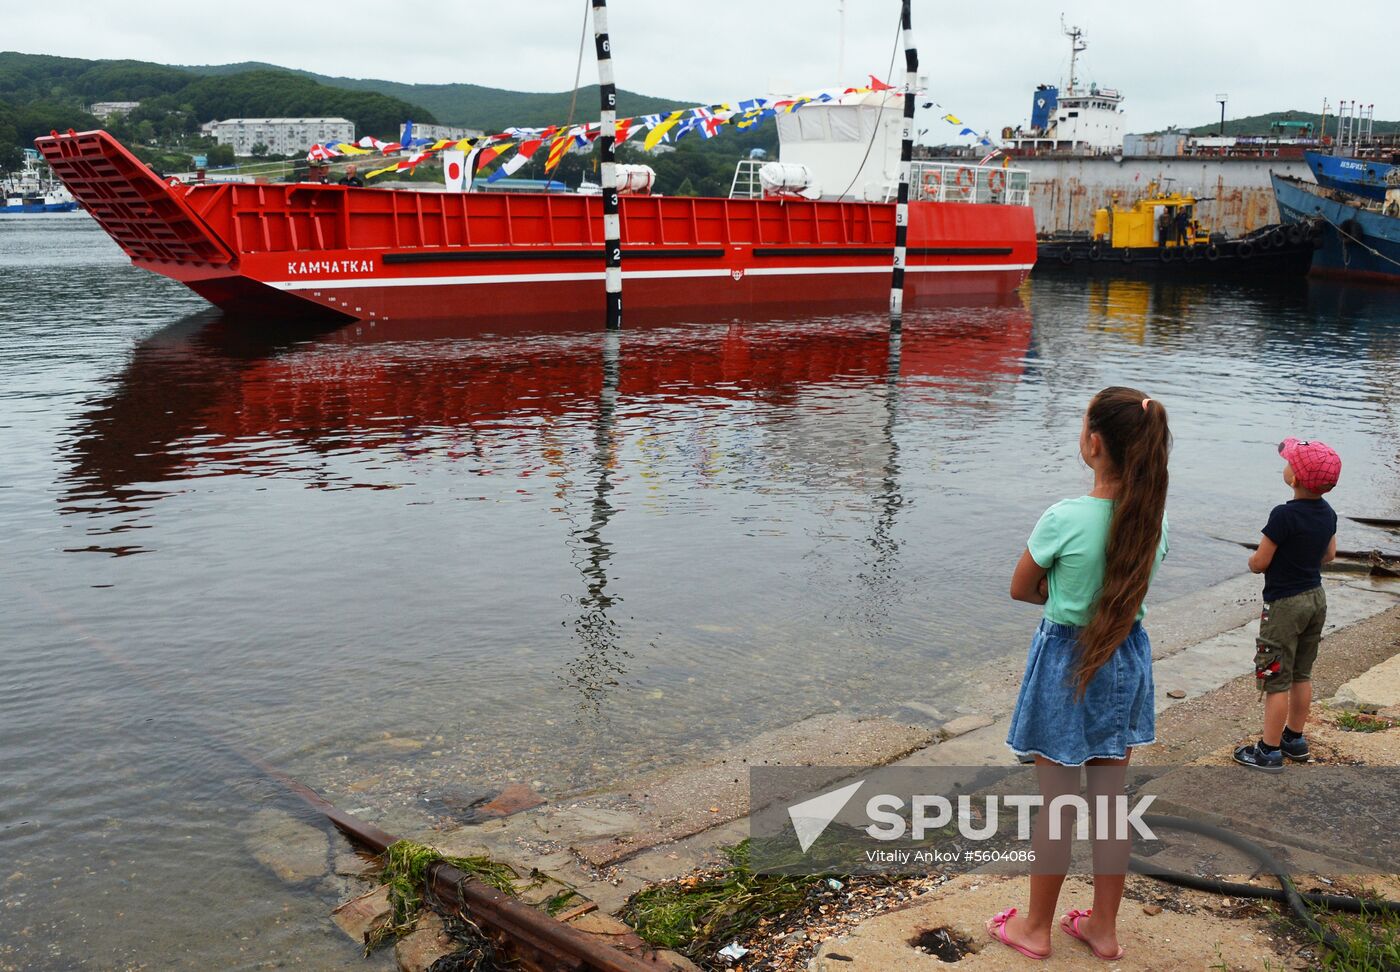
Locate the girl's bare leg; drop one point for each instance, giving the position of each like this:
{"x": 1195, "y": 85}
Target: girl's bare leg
{"x": 1032, "y": 927}
{"x": 1106, "y": 778}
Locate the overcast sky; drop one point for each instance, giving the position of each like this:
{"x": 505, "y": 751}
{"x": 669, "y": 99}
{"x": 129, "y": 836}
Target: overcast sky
{"x": 982, "y": 59}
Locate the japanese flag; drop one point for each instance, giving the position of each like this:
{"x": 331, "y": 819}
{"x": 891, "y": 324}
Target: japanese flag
{"x": 454, "y": 167}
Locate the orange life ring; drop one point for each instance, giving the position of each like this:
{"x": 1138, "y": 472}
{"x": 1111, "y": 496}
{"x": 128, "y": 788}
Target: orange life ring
{"x": 932, "y": 182}
{"x": 971, "y": 178}
{"x": 996, "y": 180}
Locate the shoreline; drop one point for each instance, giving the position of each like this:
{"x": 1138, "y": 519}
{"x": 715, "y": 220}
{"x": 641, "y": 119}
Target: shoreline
{"x": 674, "y": 823}
{"x": 1201, "y": 641}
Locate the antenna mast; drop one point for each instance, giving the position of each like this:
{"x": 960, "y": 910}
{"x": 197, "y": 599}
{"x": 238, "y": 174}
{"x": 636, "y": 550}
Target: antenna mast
{"x": 841, "y": 48}
{"x": 1076, "y": 45}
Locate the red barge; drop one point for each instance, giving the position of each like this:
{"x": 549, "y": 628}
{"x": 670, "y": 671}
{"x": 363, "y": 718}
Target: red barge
{"x": 307, "y": 250}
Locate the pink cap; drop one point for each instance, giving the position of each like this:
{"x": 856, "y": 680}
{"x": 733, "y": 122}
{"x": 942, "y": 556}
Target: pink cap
{"x": 1316, "y": 465}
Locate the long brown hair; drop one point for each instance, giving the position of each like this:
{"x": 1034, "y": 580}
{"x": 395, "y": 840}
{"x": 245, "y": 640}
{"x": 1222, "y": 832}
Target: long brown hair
{"x": 1134, "y": 430}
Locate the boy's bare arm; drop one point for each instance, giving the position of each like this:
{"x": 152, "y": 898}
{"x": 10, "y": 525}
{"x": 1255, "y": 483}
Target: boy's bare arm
{"x": 1260, "y": 560}
{"x": 1331, "y": 553}
{"x": 1028, "y": 581}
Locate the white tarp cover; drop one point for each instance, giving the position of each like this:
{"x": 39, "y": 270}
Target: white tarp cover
{"x": 635, "y": 179}
{"x": 788, "y": 179}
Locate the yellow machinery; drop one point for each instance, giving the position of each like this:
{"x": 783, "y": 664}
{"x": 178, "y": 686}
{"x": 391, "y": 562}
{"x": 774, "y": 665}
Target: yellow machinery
{"x": 1158, "y": 219}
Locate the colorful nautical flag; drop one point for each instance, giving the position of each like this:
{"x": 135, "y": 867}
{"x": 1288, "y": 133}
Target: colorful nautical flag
{"x": 517, "y": 161}
{"x": 557, "y": 148}
{"x": 659, "y": 130}
{"x": 491, "y": 152}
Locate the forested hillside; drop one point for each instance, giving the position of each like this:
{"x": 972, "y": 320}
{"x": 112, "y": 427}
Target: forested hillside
{"x": 39, "y": 92}
{"x": 1261, "y": 124}
{"x": 476, "y": 106}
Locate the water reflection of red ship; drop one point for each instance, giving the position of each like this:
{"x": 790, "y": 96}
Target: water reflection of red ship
{"x": 195, "y": 395}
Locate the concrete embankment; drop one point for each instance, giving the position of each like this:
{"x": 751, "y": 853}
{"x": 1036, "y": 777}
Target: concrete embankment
{"x": 659, "y": 826}
{"x": 1161, "y": 926}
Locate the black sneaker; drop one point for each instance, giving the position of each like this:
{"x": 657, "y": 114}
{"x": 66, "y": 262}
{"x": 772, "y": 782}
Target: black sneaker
{"x": 1256, "y": 758}
{"x": 1296, "y": 749}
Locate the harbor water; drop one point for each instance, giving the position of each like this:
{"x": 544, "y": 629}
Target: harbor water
{"x": 397, "y": 563}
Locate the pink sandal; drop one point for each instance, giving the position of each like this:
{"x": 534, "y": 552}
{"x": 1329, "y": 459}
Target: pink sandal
{"x": 1069, "y": 924}
{"x": 997, "y": 929}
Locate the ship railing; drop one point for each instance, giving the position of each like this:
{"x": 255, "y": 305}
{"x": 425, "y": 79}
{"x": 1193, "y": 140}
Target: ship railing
{"x": 954, "y": 182}
{"x": 928, "y": 182}
{"x": 746, "y": 184}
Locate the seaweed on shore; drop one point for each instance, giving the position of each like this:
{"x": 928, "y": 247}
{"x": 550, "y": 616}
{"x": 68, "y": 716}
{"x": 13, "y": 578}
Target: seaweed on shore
{"x": 405, "y": 871}
{"x": 698, "y": 913}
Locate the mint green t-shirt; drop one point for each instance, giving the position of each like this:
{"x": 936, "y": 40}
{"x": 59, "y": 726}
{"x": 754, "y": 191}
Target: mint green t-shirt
{"x": 1071, "y": 542}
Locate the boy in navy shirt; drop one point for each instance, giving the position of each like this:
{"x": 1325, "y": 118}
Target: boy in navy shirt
{"x": 1300, "y": 537}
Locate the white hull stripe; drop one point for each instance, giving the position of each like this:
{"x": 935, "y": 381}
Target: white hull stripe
{"x": 360, "y": 282}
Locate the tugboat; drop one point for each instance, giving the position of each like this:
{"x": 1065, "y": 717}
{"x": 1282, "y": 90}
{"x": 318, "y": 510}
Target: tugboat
{"x": 1159, "y": 236}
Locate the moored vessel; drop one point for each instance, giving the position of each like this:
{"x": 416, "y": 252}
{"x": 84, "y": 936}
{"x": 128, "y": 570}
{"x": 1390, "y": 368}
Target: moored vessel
{"x": 1360, "y": 177}
{"x": 354, "y": 253}
{"x": 1160, "y": 236}
{"x": 33, "y": 190}
{"x": 1360, "y": 238}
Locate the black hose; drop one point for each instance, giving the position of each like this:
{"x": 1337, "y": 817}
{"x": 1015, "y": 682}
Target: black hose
{"x": 1296, "y": 901}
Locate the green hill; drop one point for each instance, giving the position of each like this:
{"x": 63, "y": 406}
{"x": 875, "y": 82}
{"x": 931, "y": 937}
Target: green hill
{"x": 39, "y": 92}
{"x": 474, "y": 105}
{"x": 1262, "y": 124}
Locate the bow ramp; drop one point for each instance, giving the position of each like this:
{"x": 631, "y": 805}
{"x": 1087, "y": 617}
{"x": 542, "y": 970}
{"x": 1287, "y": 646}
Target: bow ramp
{"x": 147, "y": 216}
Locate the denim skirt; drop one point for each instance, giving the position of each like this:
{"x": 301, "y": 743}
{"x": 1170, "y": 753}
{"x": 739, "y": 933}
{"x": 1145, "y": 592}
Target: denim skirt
{"x": 1116, "y": 712}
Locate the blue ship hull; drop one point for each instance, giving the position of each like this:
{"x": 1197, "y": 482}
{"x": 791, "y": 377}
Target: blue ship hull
{"x": 1356, "y": 242}
{"x": 39, "y": 207}
{"x": 1360, "y": 177}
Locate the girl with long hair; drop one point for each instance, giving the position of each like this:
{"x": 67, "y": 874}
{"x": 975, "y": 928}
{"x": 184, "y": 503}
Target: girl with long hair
{"x": 1086, "y": 699}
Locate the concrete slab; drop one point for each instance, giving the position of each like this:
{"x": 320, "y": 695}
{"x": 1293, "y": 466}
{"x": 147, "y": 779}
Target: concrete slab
{"x": 1373, "y": 690}
{"x": 294, "y": 851}
{"x": 1205, "y": 665}
{"x": 1170, "y": 939}
{"x": 1194, "y": 617}
{"x": 362, "y": 916}
{"x": 672, "y": 804}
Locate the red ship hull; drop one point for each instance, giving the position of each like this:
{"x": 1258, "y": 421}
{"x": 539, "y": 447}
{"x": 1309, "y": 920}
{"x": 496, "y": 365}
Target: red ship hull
{"x": 309, "y": 250}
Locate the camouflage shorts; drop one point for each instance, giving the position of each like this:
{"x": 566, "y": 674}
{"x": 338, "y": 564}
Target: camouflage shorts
{"x": 1290, "y": 630}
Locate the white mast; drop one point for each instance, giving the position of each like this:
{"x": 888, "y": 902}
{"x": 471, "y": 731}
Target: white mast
{"x": 1077, "y": 44}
